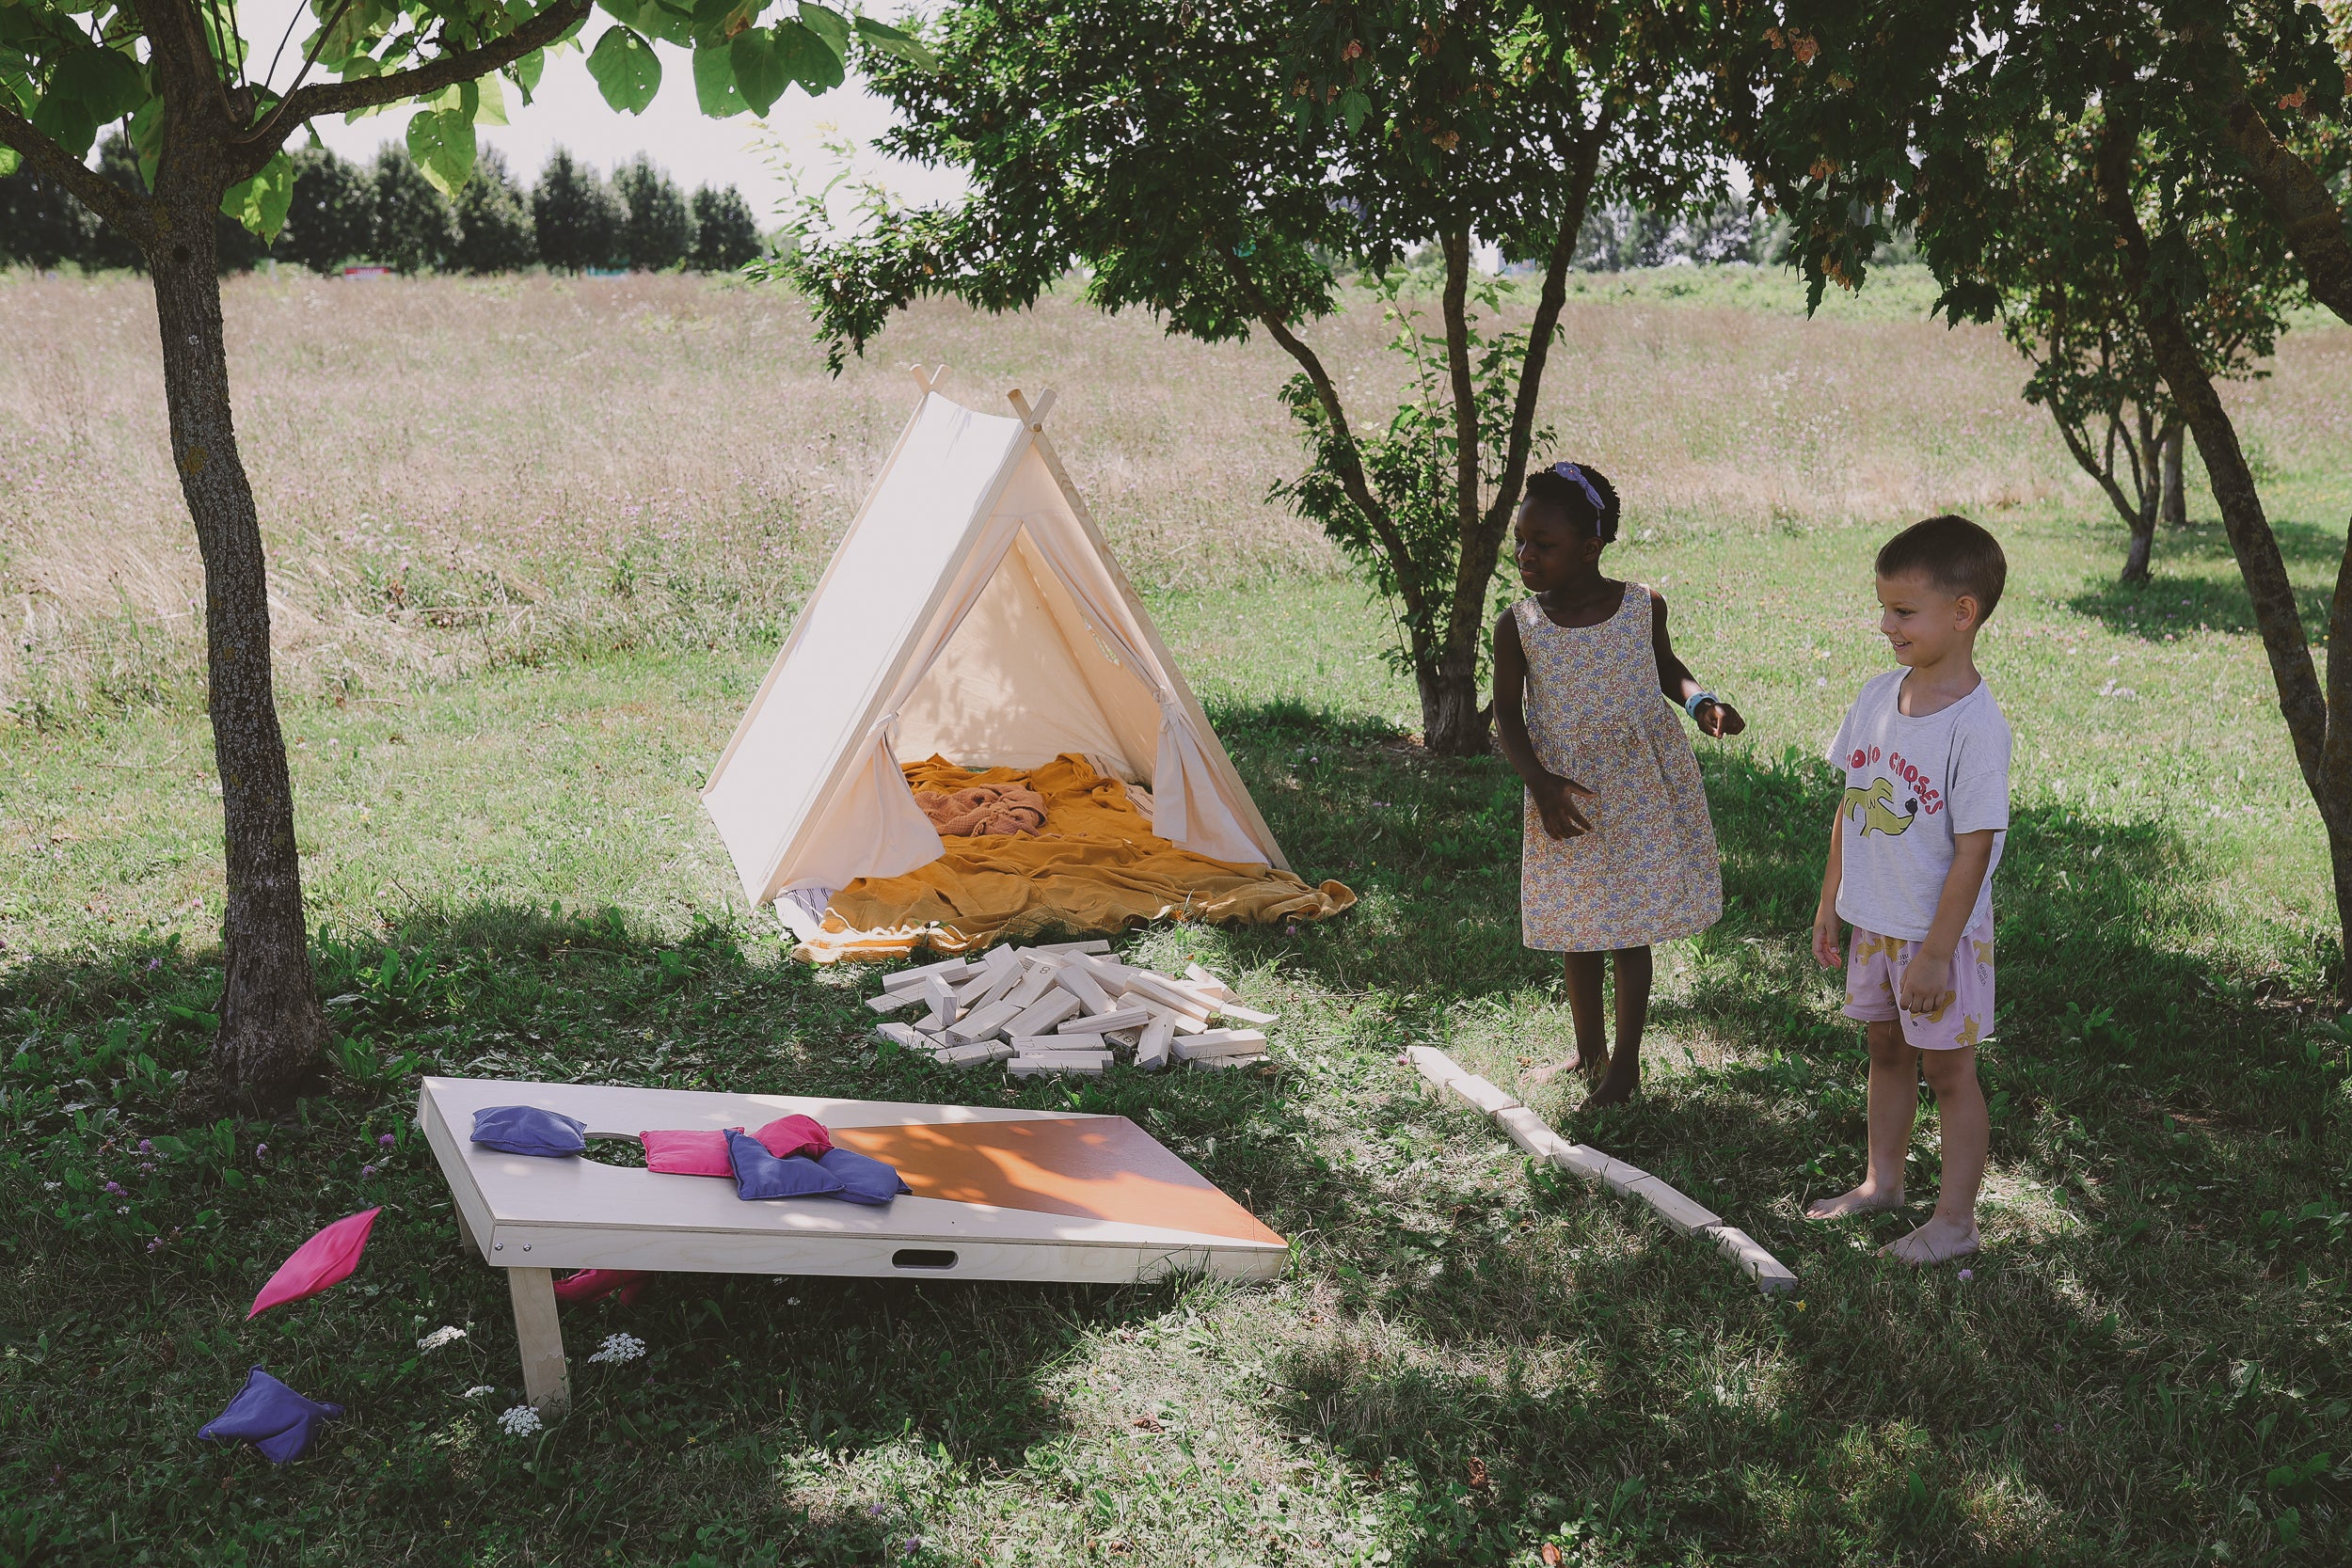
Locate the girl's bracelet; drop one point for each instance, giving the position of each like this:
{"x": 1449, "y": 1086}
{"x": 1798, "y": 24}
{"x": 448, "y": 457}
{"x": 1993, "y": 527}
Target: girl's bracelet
{"x": 1698, "y": 698}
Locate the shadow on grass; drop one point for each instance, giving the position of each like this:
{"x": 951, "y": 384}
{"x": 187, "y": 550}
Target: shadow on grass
{"x": 2197, "y": 583}
{"x": 753, "y": 1382}
{"x": 1500, "y": 1359}
{"x": 2160, "y": 1125}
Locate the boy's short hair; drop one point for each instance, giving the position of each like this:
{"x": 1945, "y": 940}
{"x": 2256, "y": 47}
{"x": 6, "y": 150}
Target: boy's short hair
{"x": 1954, "y": 554}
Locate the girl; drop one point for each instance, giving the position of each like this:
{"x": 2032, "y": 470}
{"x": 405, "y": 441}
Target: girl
{"x": 1619, "y": 850}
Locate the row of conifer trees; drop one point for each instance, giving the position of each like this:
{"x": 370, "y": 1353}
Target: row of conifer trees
{"x": 572, "y": 219}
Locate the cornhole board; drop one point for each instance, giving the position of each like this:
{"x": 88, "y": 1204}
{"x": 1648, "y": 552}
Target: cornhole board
{"x": 998, "y": 1194}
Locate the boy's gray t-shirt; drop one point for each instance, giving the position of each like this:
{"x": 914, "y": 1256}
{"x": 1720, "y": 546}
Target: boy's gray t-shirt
{"x": 1911, "y": 785}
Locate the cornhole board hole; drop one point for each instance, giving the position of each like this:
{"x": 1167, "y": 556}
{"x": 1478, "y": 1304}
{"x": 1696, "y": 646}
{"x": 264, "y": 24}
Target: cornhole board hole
{"x": 1044, "y": 1196}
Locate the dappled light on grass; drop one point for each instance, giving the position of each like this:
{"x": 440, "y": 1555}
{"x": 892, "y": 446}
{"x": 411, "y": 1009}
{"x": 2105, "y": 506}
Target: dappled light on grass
{"x": 510, "y": 876}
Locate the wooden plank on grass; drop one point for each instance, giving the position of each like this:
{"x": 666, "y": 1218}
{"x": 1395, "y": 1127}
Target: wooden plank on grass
{"x": 1433, "y": 1063}
{"x": 1043, "y": 1014}
{"x": 1481, "y": 1093}
{"x": 1220, "y": 1042}
{"x": 1770, "y": 1274}
{"x": 1676, "y": 1208}
{"x": 1531, "y": 1132}
{"x": 1105, "y": 1023}
{"x": 1153, "y": 1047}
{"x": 982, "y": 1023}
{"x": 916, "y": 977}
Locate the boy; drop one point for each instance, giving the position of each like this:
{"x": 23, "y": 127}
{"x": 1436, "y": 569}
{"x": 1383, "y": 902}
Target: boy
{"x": 1911, "y": 849}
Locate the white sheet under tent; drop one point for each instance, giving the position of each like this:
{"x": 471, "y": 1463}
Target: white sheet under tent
{"x": 972, "y": 613}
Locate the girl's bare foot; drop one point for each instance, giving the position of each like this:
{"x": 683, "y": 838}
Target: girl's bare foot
{"x": 1614, "y": 1088}
{"x": 1865, "y": 1200}
{"x": 1939, "y": 1241}
{"x": 1546, "y": 1074}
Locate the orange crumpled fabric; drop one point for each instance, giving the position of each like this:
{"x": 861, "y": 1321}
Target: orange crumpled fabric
{"x": 1096, "y": 866}
{"x": 984, "y": 811}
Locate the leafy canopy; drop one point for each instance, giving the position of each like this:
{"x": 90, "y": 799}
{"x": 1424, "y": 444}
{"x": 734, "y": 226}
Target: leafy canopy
{"x": 1211, "y": 160}
{"x": 69, "y": 67}
{"x": 1869, "y": 116}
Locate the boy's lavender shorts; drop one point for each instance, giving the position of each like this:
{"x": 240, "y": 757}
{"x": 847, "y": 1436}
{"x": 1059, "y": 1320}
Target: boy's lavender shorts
{"x": 1874, "y": 972}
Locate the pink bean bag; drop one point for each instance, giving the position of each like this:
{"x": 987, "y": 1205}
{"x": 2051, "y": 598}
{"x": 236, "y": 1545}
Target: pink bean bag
{"x": 688, "y": 1152}
{"x": 325, "y": 1260}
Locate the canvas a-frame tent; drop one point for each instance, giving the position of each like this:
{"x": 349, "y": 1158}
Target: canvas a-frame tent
{"x": 972, "y": 612}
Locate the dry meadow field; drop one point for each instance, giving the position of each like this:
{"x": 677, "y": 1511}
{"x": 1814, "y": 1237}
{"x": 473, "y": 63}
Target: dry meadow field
{"x": 453, "y": 472}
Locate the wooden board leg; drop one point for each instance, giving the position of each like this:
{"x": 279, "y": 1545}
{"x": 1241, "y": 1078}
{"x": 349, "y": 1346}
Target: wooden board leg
{"x": 539, "y": 1334}
{"x": 465, "y": 1232}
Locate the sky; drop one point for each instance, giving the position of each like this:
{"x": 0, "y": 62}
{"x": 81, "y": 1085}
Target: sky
{"x": 568, "y": 111}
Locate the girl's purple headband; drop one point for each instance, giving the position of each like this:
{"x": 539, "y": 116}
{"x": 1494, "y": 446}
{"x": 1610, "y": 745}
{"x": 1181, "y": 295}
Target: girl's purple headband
{"x": 1569, "y": 470}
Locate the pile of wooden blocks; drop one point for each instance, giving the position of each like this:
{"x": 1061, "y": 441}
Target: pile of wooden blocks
{"x": 1066, "y": 1008}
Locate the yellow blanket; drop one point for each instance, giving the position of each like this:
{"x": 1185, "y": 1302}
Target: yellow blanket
{"x": 1097, "y": 866}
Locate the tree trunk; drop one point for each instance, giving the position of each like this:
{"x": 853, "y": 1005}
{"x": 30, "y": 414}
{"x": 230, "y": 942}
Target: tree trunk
{"x": 2135, "y": 558}
{"x": 270, "y": 1023}
{"x": 1452, "y": 723}
{"x": 2322, "y": 748}
{"x": 2175, "y": 497}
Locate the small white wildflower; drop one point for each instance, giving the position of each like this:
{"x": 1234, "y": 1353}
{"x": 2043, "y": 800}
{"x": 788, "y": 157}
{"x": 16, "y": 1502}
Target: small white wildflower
{"x": 618, "y": 1348}
{"x": 440, "y": 1336}
{"x": 522, "y": 1421}
{"x": 50, "y": 1186}
{"x": 477, "y": 1391}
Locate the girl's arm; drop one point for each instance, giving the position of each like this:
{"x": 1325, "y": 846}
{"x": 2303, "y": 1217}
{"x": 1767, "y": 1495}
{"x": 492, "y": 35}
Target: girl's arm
{"x": 1554, "y": 795}
{"x": 1716, "y": 718}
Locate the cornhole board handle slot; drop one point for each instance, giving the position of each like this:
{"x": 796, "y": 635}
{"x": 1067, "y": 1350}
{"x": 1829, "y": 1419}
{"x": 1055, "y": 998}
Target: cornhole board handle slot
{"x": 922, "y": 1258}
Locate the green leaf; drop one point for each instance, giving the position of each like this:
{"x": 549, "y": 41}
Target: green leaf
{"x": 147, "y": 139}
{"x": 762, "y": 71}
{"x": 808, "y": 57}
{"x": 627, "y": 70}
{"x": 891, "y": 40}
{"x": 9, "y": 160}
{"x": 108, "y": 83}
{"x": 65, "y": 122}
{"x": 16, "y": 78}
{"x": 489, "y": 101}
{"x": 442, "y": 143}
{"x": 260, "y": 204}
{"x": 1353, "y": 106}
{"x": 671, "y": 24}
{"x": 715, "y": 82}
{"x": 829, "y": 25}
{"x": 527, "y": 72}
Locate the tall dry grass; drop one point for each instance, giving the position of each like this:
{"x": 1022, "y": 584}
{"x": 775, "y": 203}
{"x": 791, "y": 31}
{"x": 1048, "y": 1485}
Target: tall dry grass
{"x": 453, "y": 472}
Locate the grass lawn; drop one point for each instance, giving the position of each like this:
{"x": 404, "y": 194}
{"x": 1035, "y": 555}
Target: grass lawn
{"x": 1467, "y": 1359}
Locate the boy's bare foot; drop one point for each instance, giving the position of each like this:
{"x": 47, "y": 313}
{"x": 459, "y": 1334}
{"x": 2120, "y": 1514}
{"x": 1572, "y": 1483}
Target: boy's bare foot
{"x": 1939, "y": 1241}
{"x": 1546, "y": 1074}
{"x": 1865, "y": 1200}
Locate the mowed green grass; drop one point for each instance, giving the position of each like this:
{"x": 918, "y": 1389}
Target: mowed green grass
{"x": 1466, "y": 1360}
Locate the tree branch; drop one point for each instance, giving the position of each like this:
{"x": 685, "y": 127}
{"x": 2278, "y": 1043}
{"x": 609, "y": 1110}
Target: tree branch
{"x": 2259, "y": 562}
{"x": 2090, "y": 465}
{"x": 2297, "y": 197}
{"x": 1585, "y": 151}
{"x": 1351, "y": 460}
{"x": 129, "y": 214}
{"x": 1454, "y": 302}
{"x": 366, "y": 92}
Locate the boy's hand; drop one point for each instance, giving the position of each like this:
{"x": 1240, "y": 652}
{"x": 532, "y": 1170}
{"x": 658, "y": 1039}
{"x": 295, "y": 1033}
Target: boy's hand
{"x": 1720, "y": 719}
{"x": 1927, "y": 983}
{"x": 1825, "y": 951}
{"x": 1555, "y": 802}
